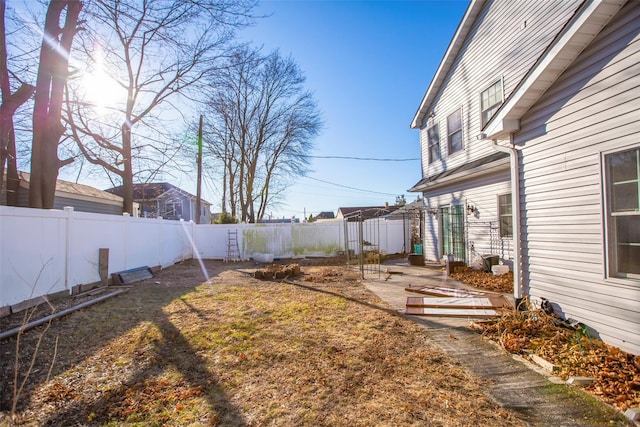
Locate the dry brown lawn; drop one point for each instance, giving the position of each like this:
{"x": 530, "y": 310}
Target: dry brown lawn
{"x": 176, "y": 350}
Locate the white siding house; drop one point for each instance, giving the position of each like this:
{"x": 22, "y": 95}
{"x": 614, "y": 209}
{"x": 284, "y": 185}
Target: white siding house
{"x": 530, "y": 136}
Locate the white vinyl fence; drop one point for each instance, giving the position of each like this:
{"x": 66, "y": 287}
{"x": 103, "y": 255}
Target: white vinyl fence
{"x": 44, "y": 252}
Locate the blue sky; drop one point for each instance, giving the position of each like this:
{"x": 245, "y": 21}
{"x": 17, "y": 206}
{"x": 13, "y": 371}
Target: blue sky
{"x": 368, "y": 64}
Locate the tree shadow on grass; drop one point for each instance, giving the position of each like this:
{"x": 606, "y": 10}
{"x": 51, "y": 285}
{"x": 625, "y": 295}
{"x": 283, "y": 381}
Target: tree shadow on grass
{"x": 346, "y": 297}
{"x": 142, "y": 391}
{"x": 87, "y": 332}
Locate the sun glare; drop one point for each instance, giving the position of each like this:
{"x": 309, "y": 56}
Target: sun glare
{"x": 101, "y": 89}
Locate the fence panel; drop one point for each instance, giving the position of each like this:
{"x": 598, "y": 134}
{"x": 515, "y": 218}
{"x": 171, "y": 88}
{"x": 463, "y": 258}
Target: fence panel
{"x": 32, "y": 254}
{"x": 44, "y": 252}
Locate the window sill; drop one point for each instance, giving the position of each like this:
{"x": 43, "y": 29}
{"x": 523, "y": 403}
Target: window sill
{"x": 624, "y": 281}
{"x": 456, "y": 154}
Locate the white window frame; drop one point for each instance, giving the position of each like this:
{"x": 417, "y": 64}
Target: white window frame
{"x": 452, "y": 132}
{"x": 175, "y": 201}
{"x": 610, "y": 217}
{"x": 431, "y": 145}
{"x": 493, "y": 107}
{"x": 503, "y": 235}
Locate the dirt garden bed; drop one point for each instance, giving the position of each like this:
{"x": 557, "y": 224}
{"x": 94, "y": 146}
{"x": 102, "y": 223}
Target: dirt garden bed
{"x": 318, "y": 349}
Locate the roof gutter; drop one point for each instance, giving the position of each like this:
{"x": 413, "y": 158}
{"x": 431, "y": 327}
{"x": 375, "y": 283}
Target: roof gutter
{"x": 518, "y": 291}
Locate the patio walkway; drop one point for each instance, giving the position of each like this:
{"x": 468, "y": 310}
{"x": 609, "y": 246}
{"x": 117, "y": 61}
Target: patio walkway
{"x": 514, "y": 384}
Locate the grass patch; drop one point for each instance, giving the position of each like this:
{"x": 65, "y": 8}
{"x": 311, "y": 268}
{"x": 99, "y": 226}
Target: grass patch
{"x": 237, "y": 351}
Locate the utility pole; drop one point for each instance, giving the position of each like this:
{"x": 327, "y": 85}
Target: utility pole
{"x": 199, "y": 184}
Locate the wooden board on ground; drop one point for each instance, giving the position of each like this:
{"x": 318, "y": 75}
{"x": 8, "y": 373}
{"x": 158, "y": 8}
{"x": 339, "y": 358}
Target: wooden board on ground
{"x": 457, "y": 302}
{"x": 445, "y": 292}
{"x": 451, "y": 312}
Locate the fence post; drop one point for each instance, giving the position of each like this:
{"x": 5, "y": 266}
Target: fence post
{"x": 67, "y": 258}
{"x": 160, "y": 242}
{"x": 125, "y": 240}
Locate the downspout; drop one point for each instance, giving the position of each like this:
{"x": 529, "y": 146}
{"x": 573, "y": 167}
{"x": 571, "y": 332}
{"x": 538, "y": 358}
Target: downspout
{"x": 515, "y": 212}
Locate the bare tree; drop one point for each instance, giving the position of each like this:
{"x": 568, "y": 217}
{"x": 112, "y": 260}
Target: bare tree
{"x": 49, "y": 95}
{"x": 157, "y": 52}
{"x": 264, "y": 125}
{"x": 10, "y": 103}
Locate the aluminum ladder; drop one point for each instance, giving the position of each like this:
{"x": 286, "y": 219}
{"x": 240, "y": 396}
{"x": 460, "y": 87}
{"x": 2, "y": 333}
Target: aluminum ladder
{"x": 233, "y": 251}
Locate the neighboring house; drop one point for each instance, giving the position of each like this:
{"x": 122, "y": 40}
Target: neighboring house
{"x": 530, "y": 136}
{"x": 324, "y": 215}
{"x": 167, "y": 201}
{"x": 83, "y": 198}
{"x": 365, "y": 212}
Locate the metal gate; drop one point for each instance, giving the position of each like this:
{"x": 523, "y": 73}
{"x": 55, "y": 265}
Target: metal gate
{"x": 362, "y": 242}
{"x": 452, "y": 230}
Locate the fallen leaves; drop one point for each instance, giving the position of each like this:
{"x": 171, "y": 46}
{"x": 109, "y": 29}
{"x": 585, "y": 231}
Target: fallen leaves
{"x": 484, "y": 280}
{"x": 573, "y": 351}
{"x": 153, "y": 395}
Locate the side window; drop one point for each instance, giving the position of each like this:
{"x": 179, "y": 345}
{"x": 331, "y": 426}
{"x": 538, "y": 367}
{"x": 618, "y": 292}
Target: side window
{"x": 622, "y": 172}
{"x": 454, "y": 132}
{"x": 505, "y": 211}
{"x": 433, "y": 137}
{"x": 490, "y": 100}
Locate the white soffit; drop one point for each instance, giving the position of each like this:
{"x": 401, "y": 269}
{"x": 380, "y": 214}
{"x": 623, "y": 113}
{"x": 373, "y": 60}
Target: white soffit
{"x": 582, "y": 29}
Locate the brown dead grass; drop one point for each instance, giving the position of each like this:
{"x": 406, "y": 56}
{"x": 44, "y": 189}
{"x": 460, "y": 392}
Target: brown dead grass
{"x": 318, "y": 350}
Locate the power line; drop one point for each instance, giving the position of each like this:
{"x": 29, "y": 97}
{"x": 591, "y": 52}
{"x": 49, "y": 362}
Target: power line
{"x": 363, "y": 158}
{"x": 350, "y": 188}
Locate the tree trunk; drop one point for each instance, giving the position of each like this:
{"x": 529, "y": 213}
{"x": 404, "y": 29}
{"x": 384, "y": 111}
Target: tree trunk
{"x": 127, "y": 173}
{"x": 10, "y": 103}
{"x": 52, "y": 76}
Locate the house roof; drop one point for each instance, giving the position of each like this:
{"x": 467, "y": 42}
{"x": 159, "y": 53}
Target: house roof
{"x": 152, "y": 191}
{"x": 588, "y": 20}
{"x": 74, "y": 190}
{"x": 487, "y": 164}
{"x": 409, "y": 208}
{"x": 367, "y": 211}
{"x": 325, "y": 215}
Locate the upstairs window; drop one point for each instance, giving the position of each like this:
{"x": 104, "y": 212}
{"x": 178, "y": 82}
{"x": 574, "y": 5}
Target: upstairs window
{"x": 454, "y": 132}
{"x": 433, "y": 137}
{"x": 490, "y": 100}
{"x": 623, "y": 213}
{"x": 505, "y": 212}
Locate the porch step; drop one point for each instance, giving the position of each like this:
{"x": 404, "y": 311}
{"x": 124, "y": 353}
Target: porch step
{"x": 451, "y": 312}
{"x": 445, "y": 292}
{"x": 457, "y": 302}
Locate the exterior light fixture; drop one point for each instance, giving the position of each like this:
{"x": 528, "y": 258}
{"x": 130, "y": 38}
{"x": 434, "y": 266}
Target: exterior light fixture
{"x": 471, "y": 209}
